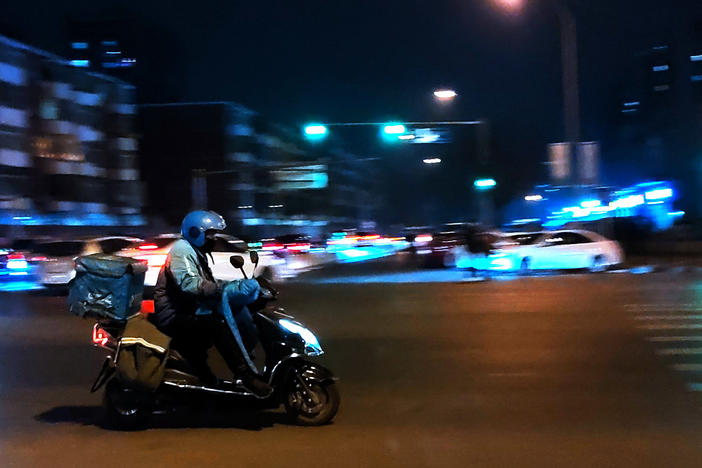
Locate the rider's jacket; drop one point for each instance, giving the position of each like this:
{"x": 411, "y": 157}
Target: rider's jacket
{"x": 184, "y": 284}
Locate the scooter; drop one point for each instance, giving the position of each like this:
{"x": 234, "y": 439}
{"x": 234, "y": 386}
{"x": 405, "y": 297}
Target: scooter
{"x": 307, "y": 390}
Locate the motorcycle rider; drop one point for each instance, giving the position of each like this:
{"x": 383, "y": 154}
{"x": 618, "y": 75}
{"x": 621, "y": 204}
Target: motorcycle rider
{"x": 185, "y": 295}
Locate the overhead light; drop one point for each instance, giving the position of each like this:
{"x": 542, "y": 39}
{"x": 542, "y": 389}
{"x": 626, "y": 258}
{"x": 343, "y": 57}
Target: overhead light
{"x": 432, "y": 161}
{"x": 533, "y": 198}
{"x": 445, "y": 94}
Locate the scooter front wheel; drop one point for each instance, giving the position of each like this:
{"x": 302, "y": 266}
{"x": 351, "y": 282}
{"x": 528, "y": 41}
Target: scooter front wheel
{"x": 125, "y": 408}
{"x": 312, "y": 403}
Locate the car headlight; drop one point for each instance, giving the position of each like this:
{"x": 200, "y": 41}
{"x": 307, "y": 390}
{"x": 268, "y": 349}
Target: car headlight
{"x": 312, "y": 347}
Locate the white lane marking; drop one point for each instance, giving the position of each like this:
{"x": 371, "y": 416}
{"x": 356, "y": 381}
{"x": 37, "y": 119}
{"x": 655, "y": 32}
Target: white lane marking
{"x": 668, "y": 317}
{"x": 679, "y": 351}
{"x": 672, "y": 339}
{"x": 668, "y": 326}
{"x": 687, "y": 367}
{"x": 694, "y": 387}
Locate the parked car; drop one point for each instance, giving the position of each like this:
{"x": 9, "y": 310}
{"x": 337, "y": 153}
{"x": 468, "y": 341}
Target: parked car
{"x": 557, "y": 250}
{"x": 56, "y": 267}
{"x": 154, "y": 252}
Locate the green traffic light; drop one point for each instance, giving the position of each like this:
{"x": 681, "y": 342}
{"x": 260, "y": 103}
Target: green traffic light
{"x": 315, "y": 131}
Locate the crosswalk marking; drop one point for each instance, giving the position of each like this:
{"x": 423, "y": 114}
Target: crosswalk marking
{"x": 668, "y": 317}
{"x": 671, "y": 326}
{"x": 687, "y": 367}
{"x": 673, "y": 339}
{"x": 679, "y": 351}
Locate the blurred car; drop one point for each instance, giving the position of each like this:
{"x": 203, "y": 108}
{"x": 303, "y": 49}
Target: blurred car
{"x": 557, "y": 250}
{"x": 439, "y": 251}
{"x": 154, "y": 252}
{"x": 287, "y": 244}
{"x": 13, "y": 265}
{"x": 57, "y": 267}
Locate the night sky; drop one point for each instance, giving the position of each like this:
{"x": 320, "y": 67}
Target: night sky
{"x": 296, "y": 61}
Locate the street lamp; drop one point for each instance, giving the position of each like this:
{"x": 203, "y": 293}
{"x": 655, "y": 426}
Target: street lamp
{"x": 510, "y": 5}
{"x": 432, "y": 161}
{"x": 445, "y": 94}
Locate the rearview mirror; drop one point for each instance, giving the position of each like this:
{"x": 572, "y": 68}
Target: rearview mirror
{"x": 253, "y": 255}
{"x": 237, "y": 261}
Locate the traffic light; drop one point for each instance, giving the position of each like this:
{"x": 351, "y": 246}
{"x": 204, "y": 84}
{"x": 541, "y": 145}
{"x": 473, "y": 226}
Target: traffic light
{"x": 484, "y": 184}
{"x": 315, "y": 131}
{"x": 394, "y": 129}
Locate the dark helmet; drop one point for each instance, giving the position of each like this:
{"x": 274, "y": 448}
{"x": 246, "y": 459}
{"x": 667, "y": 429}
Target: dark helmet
{"x": 196, "y": 223}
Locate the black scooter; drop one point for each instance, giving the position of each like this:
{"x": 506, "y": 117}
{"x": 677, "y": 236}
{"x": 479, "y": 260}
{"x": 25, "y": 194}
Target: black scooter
{"x": 308, "y": 390}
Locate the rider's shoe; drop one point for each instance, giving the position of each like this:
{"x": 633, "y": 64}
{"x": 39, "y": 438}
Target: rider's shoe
{"x": 254, "y": 383}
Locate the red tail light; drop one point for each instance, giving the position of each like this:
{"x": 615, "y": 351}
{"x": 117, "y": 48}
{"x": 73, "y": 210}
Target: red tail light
{"x": 298, "y": 247}
{"x": 148, "y": 247}
{"x": 15, "y": 257}
{"x": 273, "y": 246}
{"x": 101, "y": 337}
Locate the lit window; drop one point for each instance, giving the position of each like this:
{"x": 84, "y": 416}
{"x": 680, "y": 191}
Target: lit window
{"x": 660, "y": 68}
{"x": 79, "y": 45}
{"x": 696, "y": 58}
{"x": 80, "y": 63}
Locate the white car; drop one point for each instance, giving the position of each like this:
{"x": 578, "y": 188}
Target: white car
{"x": 556, "y": 250}
{"x": 57, "y": 267}
{"x": 155, "y": 250}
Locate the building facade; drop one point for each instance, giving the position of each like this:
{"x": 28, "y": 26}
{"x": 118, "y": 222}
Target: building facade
{"x": 68, "y": 154}
{"x": 657, "y": 119}
{"x": 265, "y": 179}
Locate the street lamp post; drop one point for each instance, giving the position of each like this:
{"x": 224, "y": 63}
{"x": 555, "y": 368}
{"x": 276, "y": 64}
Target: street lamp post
{"x": 569, "y": 65}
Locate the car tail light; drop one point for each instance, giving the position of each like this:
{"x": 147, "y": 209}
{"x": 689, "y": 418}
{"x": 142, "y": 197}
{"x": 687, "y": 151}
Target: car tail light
{"x": 153, "y": 260}
{"x": 40, "y": 258}
{"x": 298, "y": 247}
{"x": 371, "y": 237}
{"x": 148, "y": 247}
{"x": 424, "y": 238}
{"x": 270, "y": 247}
{"x": 103, "y": 338}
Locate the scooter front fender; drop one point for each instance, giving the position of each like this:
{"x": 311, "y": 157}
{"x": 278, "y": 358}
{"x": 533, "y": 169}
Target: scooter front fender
{"x": 308, "y": 370}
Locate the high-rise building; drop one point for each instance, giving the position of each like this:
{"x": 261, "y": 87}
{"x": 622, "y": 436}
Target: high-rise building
{"x": 101, "y": 46}
{"x": 657, "y": 130}
{"x": 67, "y": 148}
{"x": 263, "y": 178}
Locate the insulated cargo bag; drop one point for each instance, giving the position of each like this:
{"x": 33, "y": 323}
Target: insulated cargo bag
{"x": 107, "y": 287}
{"x": 142, "y": 354}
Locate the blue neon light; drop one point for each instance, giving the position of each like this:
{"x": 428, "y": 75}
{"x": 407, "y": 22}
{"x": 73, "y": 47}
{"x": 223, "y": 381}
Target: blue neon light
{"x": 659, "y": 194}
{"x": 590, "y": 203}
{"x": 80, "y": 63}
{"x": 79, "y": 45}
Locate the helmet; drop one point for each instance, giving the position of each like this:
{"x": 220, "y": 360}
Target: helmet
{"x": 196, "y": 223}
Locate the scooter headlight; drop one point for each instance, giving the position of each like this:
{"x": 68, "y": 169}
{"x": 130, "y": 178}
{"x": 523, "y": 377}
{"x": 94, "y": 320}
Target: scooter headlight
{"x": 312, "y": 347}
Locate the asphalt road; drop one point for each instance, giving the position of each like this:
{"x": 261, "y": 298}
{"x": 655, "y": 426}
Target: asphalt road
{"x": 574, "y": 370}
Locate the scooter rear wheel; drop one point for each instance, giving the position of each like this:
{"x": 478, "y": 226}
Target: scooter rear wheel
{"x": 312, "y": 404}
{"x": 125, "y": 408}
